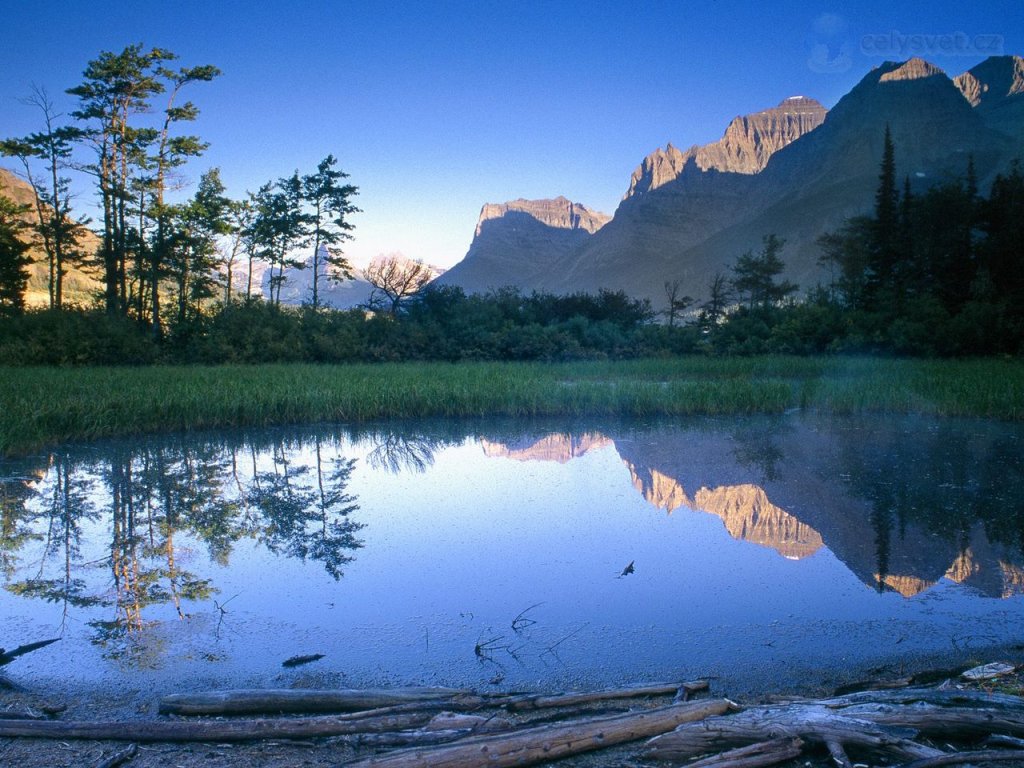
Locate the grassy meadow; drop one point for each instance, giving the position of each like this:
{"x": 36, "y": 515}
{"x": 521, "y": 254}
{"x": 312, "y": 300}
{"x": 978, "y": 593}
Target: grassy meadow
{"x": 44, "y": 406}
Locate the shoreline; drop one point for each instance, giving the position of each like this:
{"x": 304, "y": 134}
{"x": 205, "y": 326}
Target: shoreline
{"x": 42, "y": 407}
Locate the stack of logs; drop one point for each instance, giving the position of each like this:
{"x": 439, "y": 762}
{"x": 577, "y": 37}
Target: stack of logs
{"x": 918, "y": 727}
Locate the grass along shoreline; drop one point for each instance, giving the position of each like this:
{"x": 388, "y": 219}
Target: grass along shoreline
{"x": 44, "y": 406}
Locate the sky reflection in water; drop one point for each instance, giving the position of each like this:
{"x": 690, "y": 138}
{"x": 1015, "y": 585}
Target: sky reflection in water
{"x": 788, "y": 550}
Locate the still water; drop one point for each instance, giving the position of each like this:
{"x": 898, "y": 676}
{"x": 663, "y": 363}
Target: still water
{"x": 767, "y": 552}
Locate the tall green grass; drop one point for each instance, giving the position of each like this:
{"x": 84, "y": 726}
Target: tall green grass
{"x": 40, "y": 406}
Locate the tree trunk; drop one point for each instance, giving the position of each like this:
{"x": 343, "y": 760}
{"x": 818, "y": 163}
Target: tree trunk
{"x": 251, "y": 701}
{"x": 530, "y": 746}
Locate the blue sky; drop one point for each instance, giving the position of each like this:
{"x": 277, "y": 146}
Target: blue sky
{"x": 436, "y": 108}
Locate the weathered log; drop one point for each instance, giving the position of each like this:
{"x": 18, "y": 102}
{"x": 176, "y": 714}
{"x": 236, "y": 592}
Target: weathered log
{"x": 255, "y": 700}
{"x": 958, "y": 758}
{"x": 410, "y": 738}
{"x": 529, "y": 746}
{"x": 6, "y": 657}
{"x": 215, "y": 730}
{"x": 758, "y": 755}
{"x": 591, "y": 697}
{"x": 119, "y": 758}
{"x": 999, "y": 740}
{"x": 24, "y": 714}
{"x": 947, "y": 721}
{"x": 447, "y": 721}
{"x": 813, "y": 723}
{"x": 938, "y": 696}
{"x": 988, "y": 671}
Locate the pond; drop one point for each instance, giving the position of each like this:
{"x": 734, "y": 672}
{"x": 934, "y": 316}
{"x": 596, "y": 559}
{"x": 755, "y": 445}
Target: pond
{"x": 766, "y": 552}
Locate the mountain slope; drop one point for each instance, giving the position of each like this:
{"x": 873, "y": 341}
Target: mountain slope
{"x": 793, "y": 170}
{"x": 80, "y": 285}
{"x": 517, "y": 240}
{"x": 697, "y": 224}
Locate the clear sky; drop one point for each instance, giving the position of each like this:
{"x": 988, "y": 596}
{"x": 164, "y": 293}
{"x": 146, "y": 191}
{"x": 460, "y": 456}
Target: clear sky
{"x": 435, "y": 108}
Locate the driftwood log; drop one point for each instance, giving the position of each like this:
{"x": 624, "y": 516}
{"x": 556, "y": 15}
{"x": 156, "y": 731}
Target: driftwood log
{"x": 256, "y": 701}
{"x": 217, "y": 730}
{"x": 529, "y": 746}
{"x": 519, "y": 703}
{"x": 755, "y": 756}
{"x": 813, "y": 723}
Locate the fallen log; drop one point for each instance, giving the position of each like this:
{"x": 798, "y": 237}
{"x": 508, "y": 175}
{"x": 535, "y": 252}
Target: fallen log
{"x": 812, "y": 723}
{"x": 947, "y": 721}
{"x": 938, "y": 696}
{"x": 255, "y": 700}
{"x": 758, "y": 755}
{"x": 215, "y": 730}
{"x": 958, "y": 758}
{"x": 518, "y": 703}
{"x": 529, "y": 746}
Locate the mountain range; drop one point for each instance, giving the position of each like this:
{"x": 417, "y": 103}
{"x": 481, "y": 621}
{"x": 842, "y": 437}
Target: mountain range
{"x": 796, "y": 170}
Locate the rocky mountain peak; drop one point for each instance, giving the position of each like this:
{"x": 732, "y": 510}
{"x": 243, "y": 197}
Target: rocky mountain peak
{"x": 560, "y": 213}
{"x": 748, "y": 143}
{"x": 911, "y": 69}
{"x": 996, "y": 78}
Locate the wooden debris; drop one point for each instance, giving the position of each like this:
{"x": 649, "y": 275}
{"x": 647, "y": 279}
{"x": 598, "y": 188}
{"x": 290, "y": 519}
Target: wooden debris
{"x": 936, "y": 696}
{"x": 988, "y": 671}
{"x": 215, "y": 730}
{"x": 298, "y": 661}
{"x": 957, "y": 758}
{"x": 948, "y": 722}
{"x": 813, "y": 723}
{"x": 529, "y": 746}
{"x": 119, "y": 758}
{"x": 255, "y": 700}
{"x": 592, "y": 697}
{"x": 6, "y": 657}
{"x": 758, "y": 755}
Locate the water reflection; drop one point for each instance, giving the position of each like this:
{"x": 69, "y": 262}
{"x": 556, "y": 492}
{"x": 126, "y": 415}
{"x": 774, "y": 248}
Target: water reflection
{"x": 149, "y": 502}
{"x": 127, "y": 538}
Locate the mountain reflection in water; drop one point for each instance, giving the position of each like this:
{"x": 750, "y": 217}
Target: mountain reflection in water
{"x": 117, "y": 542}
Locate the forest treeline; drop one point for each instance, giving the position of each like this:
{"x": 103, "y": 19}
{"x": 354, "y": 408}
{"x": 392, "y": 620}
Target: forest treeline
{"x": 935, "y": 273}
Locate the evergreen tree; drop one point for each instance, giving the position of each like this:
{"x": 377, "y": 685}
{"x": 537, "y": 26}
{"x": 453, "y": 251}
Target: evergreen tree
{"x": 59, "y": 232}
{"x": 885, "y": 245}
{"x": 14, "y": 260}
{"x": 754, "y": 276}
{"x": 330, "y": 201}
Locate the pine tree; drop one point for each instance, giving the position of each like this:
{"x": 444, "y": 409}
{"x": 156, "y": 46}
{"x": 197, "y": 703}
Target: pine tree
{"x": 330, "y": 201}
{"x": 755, "y": 276}
{"x": 14, "y": 260}
{"x": 885, "y": 245}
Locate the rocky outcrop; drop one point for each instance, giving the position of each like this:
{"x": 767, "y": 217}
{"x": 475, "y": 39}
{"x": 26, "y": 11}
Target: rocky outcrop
{"x": 559, "y": 213}
{"x": 748, "y": 144}
{"x": 996, "y": 89}
{"x": 993, "y": 81}
{"x": 518, "y": 240}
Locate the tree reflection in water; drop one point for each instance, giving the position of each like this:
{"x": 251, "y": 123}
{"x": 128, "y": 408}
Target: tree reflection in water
{"x": 145, "y": 501}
